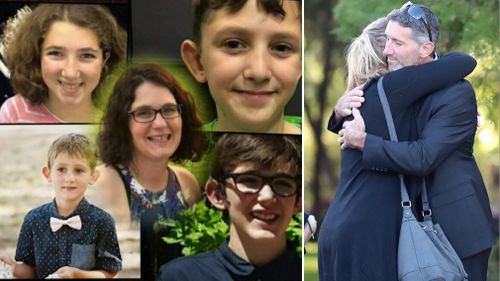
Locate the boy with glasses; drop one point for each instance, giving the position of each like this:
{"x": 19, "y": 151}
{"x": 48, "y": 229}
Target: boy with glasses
{"x": 256, "y": 181}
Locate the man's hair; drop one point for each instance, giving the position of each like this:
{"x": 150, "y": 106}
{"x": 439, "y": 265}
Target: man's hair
{"x": 115, "y": 139}
{"x": 75, "y": 145}
{"x": 266, "y": 152}
{"x": 203, "y": 8}
{"x": 23, "y": 53}
{"x": 365, "y": 58}
{"x": 419, "y": 30}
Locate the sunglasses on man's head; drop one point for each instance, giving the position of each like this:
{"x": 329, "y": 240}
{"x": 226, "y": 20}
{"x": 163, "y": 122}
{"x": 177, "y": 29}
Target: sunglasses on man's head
{"x": 417, "y": 13}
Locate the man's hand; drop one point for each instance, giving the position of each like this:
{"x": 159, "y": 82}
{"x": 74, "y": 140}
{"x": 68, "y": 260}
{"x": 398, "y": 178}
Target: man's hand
{"x": 353, "y": 134}
{"x": 352, "y": 99}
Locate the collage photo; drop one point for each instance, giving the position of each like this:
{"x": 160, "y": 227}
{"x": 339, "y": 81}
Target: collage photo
{"x": 249, "y": 140}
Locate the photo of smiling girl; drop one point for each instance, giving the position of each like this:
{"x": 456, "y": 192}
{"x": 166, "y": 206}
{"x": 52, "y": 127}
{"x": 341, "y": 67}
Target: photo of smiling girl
{"x": 58, "y": 57}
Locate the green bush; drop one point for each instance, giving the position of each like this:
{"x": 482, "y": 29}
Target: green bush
{"x": 294, "y": 232}
{"x": 198, "y": 229}
{"x": 201, "y": 229}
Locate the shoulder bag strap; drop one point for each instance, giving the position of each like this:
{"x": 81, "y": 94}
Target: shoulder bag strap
{"x": 405, "y": 200}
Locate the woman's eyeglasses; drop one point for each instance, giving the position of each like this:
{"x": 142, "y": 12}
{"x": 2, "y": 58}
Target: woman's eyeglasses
{"x": 281, "y": 185}
{"x": 148, "y": 114}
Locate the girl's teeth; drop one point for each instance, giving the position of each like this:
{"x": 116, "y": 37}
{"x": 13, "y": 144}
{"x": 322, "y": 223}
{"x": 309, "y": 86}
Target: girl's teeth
{"x": 70, "y": 86}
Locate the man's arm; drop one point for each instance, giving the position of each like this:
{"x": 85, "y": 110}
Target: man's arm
{"x": 452, "y": 123}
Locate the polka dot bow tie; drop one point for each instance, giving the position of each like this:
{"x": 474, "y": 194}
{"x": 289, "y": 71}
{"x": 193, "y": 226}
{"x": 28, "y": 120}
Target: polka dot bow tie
{"x": 73, "y": 222}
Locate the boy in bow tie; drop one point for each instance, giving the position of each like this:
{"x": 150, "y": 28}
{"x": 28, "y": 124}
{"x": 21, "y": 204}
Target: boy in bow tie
{"x": 68, "y": 237}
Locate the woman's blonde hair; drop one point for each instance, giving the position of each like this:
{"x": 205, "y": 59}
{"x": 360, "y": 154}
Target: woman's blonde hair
{"x": 365, "y": 58}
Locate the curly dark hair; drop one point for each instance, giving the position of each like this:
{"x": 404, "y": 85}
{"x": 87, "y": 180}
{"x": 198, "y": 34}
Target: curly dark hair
{"x": 23, "y": 53}
{"x": 115, "y": 140}
{"x": 203, "y": 8}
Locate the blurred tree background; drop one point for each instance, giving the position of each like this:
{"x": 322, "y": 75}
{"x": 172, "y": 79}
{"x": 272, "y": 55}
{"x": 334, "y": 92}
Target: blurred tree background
{"x": 329, "y": 25}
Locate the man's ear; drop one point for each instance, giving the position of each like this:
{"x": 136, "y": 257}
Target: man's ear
{"x": 216, "y": 197}
{"x": 94, "y": 176}
{"x": 426, "y": 49}
{"x": 191, "y": 55}
{"x": 46, "y": 173}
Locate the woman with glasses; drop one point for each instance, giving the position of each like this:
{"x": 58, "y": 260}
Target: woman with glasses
{"x": 149, "y": 121}
{"x": 360, "y": 233}
{"x": 256, "y": 182}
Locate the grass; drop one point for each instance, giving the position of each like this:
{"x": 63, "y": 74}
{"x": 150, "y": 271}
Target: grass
{"x": 311, "y": 262}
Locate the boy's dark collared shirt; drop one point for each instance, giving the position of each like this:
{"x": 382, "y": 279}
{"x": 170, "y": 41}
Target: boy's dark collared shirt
{"x": 224, "y": 264}
{"x": 93, "y": 247}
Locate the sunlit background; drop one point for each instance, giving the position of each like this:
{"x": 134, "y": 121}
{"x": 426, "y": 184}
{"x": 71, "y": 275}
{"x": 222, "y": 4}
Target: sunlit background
{"x": 471, "y": 27}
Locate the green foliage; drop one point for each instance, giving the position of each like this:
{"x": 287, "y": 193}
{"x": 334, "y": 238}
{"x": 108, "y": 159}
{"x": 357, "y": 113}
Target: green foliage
{"x": 198, "y": 229}
{"x": 352, "y": 16}
{"x": 465, "y": 25}
{"x": 294, "y": 232}
{"x": 201, "y": 229}
{"x": 202, "y": 169}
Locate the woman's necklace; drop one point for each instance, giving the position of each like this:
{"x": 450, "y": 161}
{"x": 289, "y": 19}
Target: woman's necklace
{"x": 147, "y": 198}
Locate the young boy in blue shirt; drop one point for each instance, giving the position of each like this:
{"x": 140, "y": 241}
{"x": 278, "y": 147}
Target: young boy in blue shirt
{"x": 68, "y": 237}
{"x": 249, "y": 54}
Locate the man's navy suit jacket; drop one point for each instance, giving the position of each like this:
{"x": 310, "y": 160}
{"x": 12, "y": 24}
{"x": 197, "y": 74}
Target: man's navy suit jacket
{"x": 446, "y": 123}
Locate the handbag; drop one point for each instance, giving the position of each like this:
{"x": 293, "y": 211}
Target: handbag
{"x": 424, "y": 252}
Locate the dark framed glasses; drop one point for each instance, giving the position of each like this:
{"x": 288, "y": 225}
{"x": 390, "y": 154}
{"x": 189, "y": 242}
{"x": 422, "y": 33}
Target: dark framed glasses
{"x": 418, "y": 13}
{"x": 281, "y": 185}
{"x": 148, "y": 114}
